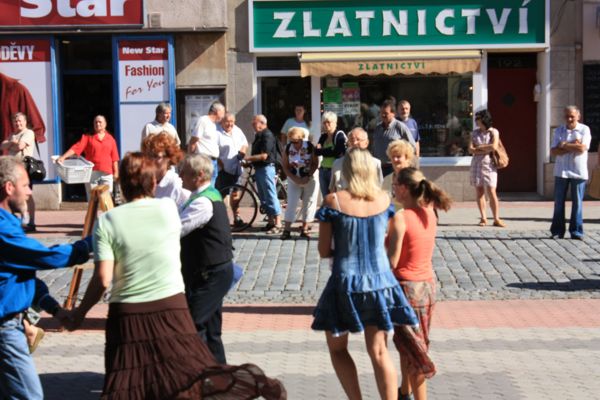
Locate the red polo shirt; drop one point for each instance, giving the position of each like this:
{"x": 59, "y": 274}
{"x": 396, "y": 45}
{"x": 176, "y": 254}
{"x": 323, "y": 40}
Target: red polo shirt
{"x": 103, "y": 153}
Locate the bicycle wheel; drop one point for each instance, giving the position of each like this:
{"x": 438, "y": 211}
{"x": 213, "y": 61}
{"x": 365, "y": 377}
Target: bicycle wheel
{"x": 281, "y": 188}
{"x": 240, "y": 198}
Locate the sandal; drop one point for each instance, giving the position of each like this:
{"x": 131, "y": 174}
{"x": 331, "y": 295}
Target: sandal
{"x": 499, "y": 223}
{"x": 483, "y": 222}
{"x": 305, "y": 234}
{"x": 286, "y": 235}
{"x": 39, "y": 335}
{"x": 267, "y": 227}
{"x": 275, "y": 230}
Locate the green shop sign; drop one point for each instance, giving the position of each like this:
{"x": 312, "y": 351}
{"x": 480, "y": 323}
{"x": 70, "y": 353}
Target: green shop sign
{"x": 317, "y": 25}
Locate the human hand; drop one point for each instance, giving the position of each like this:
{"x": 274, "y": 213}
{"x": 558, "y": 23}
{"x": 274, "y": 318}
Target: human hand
{"x": 72, "y": 319}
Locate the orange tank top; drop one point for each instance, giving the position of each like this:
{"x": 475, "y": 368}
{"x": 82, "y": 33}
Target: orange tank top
{"x": 417, "y": 246}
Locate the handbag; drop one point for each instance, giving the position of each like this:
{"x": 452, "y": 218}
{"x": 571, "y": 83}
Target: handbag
{"x": 35, "y": 168}
{"x": 594, "y": 187}
{"x": 499, "y": 156}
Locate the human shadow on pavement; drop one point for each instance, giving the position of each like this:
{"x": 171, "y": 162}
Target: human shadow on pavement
{"x": 88, "y": 324}
{"x": 72, "y": 385}
{"x": 575, "y": 285}
{"x": 529, "y": 219}
{"x": 280, "y": 310}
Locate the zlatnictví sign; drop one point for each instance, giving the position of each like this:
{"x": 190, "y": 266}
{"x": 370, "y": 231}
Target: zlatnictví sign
{"x": 407, "y": 24}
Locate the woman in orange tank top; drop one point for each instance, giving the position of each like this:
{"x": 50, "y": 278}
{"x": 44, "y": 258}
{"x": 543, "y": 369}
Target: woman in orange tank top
{"x": 411, "y": 246}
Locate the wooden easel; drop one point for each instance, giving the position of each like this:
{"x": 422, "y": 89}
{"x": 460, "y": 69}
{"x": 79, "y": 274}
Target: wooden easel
{"x": 100, "y": 200}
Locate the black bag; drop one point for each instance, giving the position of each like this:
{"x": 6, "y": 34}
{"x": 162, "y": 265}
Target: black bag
{"x": 35, "y": 169}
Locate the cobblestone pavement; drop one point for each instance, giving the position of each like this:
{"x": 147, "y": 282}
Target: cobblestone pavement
{"x": 469, "y": 265}
{"x": 510, "y": 350}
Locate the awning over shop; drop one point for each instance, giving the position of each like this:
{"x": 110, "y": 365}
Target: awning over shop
{"x": 389, "y": 63}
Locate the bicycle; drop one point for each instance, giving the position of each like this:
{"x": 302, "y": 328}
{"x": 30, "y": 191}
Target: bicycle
{"x": 245, "y": 195}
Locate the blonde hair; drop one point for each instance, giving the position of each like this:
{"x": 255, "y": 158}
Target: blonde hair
{"x": 295, "y": 132}
{"x": 422, "y": 190}
{"x": 402, "y": 147}
{"x": 359, "y": 170}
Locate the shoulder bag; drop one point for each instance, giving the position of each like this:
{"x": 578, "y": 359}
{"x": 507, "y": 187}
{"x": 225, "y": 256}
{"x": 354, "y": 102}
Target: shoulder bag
{"x": 499, "y": 156}
{"x": 35, "y": 168}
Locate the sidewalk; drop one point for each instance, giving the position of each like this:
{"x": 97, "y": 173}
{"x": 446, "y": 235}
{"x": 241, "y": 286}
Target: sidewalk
{"x": 504, "y": 345}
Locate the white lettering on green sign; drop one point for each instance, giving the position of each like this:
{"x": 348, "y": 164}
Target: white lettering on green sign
{"x": 445, "y": 22}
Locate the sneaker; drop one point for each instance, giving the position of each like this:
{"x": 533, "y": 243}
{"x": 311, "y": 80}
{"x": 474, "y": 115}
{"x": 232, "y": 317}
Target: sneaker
{"x": 286, "y": 235}
{"x": 556, "y": 237}
{"x": 574, "y": 237}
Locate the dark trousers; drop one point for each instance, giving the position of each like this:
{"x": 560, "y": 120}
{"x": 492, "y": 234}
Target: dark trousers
{"x": 205, "y": 292}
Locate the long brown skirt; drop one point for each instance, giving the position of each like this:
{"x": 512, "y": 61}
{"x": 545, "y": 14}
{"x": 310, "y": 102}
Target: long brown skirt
{"x": 154, "y": 352}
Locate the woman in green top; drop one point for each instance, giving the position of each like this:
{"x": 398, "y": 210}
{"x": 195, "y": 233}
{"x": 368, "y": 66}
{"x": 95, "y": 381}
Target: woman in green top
{"x": 332, "y": 145}
{"x": 152, "y": 348}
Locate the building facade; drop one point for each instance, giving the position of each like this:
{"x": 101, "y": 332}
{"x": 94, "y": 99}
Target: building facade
{"x": 117, "y": 58}
{"x": 521, "y": 60}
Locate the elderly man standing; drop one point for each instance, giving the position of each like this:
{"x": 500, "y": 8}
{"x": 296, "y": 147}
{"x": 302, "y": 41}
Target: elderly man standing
{"x": 404, "y": 116}
{"x": 205, "y": 137}
{"x": 263, "y": 157}
{"x": 20, "y": 258}
{"x": 161, "y": 123}
{"x": 388, "y": 130}
{"x": 357, "y": 138}
{"x": 206, "y": 251}
{"x": 233, "y": 146}
{"x": 570, "y": 147}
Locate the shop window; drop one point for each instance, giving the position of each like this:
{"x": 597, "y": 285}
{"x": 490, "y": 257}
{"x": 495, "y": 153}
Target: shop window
{"x": 441, "y": 105}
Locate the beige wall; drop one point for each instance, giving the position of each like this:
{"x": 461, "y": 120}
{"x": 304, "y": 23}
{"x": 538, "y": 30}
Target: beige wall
{"x": 187, "y": 14}
{"x": 591, "y": 32}
{"x": 200, "y": 60}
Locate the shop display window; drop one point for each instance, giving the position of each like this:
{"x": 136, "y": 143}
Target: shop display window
{"x": 441, "y": 105}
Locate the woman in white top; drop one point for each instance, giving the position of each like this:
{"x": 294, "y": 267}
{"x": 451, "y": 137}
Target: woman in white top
{"x": 21, "y": 143}
{"x": 164, "y": 149}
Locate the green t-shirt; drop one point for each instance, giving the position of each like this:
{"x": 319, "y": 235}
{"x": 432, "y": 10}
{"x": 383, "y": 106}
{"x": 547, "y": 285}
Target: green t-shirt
{"x": 142, "y": 238}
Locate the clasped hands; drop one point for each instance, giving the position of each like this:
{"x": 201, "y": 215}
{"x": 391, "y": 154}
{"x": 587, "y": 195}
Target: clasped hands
{"x": 70, "y": 319}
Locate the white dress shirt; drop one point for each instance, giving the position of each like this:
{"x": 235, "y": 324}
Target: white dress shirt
{"x": 197, "y": 213}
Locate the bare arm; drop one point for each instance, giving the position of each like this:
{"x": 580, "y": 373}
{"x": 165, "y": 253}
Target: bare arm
{"x": 103, "y": 274}
{"x": 325, "y": 236}
{"x": 193, "y": 144}
{"x": 68, "y": 153}
{"x": 396, "y": 230}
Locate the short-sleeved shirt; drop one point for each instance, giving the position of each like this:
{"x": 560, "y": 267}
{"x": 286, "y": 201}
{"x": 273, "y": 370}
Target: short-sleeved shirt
{"x": 103, "y": 153}
{"x": 265, "y": 142}
{"x": 208, "y": 137}
{"x": 300, "y": 160}
{"x": 142, "y": 238}
{"x": 155, "y": 127}
{"x": 26, "y": 136}
{"x": 413, "y": 127}
{"x": 229, "y": 147}
{"x": 382, "y": 137}
{"x": 572, "y": 165}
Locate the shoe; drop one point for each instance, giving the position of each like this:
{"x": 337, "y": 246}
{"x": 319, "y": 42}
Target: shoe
{"x": 276, "y": 229}
{"x": 267, "y": 227}
{"x": 482, "y": 222}
{"x": 286, "y": 235}
{"x": 305, "y": 234}
{"x": 29, "y": 228}
{"x": 576, "y": 237}
{"x": 401, "y": 396}
{"x": 238, "y": 222}
{"x": 556, "y": 237}
{"x": 499, "y": 223}
{"x": 39, "y": 335}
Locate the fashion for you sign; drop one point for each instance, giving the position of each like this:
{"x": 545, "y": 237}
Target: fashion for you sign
{"x": 353, "y": 25}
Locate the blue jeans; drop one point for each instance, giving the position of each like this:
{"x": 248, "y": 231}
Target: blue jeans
{"x": 267, "y": 191}
{"x": 18, "y": 377}
{"x": 561, "y": 185}
{"x": 324, "y": 180}
{"x": 213, "y": 178}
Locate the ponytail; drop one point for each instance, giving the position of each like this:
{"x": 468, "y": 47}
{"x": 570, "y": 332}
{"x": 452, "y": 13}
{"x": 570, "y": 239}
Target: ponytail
{"x": 422, "y": 190}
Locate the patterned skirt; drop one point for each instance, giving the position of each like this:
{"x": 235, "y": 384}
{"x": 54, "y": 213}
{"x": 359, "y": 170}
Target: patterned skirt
{"x": 153, "y": 352}
{"x": 414, "y": 343}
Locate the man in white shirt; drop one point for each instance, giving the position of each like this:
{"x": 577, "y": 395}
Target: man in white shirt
{"x": 161, "y": 123}
{"x": 358, "y": 138}
{"x": 570, "y": 147}
{"x": 205, "y": 137}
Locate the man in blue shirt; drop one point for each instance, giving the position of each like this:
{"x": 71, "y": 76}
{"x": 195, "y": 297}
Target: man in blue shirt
{"x": 404, "y": 116}
{"x": 20, "y": 258}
